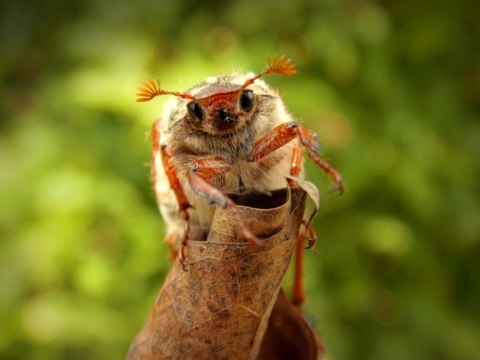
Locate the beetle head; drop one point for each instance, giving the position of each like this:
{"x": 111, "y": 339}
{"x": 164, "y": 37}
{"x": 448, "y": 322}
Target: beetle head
{"x": 219, "y": 108}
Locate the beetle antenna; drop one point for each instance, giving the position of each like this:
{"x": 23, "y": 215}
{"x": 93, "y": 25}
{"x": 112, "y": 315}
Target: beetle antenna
{"x": 278, "y": 65}
{"x": 151, "y": 89}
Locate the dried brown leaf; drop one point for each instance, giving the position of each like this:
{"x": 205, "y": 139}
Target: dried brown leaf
{"x": 219, "y": 306}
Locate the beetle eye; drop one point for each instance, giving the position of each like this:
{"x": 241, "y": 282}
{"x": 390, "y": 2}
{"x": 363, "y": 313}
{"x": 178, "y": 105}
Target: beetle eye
{"x": 195, "y": 111}
{"x": 246, "y": 100}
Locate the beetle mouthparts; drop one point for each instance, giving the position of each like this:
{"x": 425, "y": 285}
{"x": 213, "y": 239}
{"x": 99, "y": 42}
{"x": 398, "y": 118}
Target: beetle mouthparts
{"x": 224, "y": 116}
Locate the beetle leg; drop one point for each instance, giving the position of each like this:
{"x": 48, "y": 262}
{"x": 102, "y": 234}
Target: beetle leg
{"x": 296, "y": 165}
{"x": 294, "y": 171}
{"x": 199, "y": 174}
{"x": 182, "y": 200}
{"x": 298, "y": 293}
{"x": 285, "y": 133}
{"x": 175, "y": 185}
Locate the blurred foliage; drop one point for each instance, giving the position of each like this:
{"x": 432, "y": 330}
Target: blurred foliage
{"x": 392, "y": 89}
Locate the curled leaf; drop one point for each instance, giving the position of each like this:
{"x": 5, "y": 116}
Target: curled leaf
{"x": 220, "y": 306}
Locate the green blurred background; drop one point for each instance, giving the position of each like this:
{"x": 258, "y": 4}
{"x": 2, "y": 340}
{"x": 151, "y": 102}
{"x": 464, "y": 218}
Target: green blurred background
{"x": 392, "y": 89}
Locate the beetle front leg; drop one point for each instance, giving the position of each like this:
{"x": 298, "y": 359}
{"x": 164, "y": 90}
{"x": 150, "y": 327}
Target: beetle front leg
{"x": 296, "y": 164}
{"x": 199, "y": 174}
{"x": 182, "y": 200}
{"x": 283, "y": 134}
{"x": 163, "y": 154}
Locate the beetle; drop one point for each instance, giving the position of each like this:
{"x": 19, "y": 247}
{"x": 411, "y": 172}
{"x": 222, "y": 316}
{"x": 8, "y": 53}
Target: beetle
{"x": 227, "y": 134}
